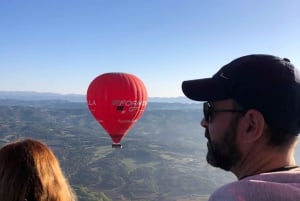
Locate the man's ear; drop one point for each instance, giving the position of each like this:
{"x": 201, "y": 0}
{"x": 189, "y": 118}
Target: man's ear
{"x": 252, "y": 126}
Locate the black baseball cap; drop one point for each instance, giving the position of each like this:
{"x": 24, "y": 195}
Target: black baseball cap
{"x": 263, "y": 82}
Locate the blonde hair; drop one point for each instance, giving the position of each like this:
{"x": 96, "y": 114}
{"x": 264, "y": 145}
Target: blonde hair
{"x": 30, "y": 171}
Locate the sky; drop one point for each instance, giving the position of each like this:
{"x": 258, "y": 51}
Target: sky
{"x": 60, "y": 46}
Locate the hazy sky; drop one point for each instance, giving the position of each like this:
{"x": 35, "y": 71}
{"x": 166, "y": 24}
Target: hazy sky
{"x": 62, "y": 45}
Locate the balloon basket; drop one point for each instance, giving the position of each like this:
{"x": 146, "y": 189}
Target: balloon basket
{"x": 116, "y": 145}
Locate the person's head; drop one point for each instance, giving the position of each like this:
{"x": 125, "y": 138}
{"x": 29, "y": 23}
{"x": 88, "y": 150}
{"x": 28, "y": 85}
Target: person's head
{"x": 258, "y": 87}
{"x": 29, "y": 171}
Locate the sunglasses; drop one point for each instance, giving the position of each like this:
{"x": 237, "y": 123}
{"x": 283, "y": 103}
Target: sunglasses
{"x": 208, "y": 111}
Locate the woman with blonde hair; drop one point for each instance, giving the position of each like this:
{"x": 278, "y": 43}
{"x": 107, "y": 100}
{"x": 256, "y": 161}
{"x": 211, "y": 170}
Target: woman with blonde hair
{"x": 29, "y": 171}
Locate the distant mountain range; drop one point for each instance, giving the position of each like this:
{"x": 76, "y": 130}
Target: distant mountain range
{"x": 31, "y": 95}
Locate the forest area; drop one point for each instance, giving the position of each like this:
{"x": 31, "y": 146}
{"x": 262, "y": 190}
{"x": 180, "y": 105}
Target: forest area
{"x": 163, "y": 156}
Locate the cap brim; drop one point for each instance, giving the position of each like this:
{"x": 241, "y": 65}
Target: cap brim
{"x": 207, "y": 89}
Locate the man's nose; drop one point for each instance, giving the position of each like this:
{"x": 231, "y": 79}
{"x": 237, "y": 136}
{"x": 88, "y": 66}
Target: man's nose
{"x": 203, "y": 123}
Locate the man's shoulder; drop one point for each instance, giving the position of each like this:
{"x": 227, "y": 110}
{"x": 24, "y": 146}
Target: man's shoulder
{"x": 229, "y": 191}
{"x": 267, "y": 186}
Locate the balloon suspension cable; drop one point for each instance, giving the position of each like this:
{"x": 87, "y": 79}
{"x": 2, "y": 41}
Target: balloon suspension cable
{"x": 116, "y": 145}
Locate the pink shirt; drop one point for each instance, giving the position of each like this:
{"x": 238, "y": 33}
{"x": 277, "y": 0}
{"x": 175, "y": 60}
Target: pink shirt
{"x": 274, "y": 186}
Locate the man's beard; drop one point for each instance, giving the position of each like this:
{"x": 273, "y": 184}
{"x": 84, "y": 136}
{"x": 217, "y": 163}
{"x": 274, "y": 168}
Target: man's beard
{"x": 225, "y": 153}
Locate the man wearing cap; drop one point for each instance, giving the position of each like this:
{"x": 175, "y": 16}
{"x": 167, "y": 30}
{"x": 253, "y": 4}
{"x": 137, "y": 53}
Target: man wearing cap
{"x": 252, "y": 121}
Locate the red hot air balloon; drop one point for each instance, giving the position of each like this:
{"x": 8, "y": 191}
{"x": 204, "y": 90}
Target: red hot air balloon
{"x": 117, "y": 101}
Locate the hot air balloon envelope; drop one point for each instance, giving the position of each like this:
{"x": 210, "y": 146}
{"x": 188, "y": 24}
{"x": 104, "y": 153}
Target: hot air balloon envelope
{"x": 117, "y": 101}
